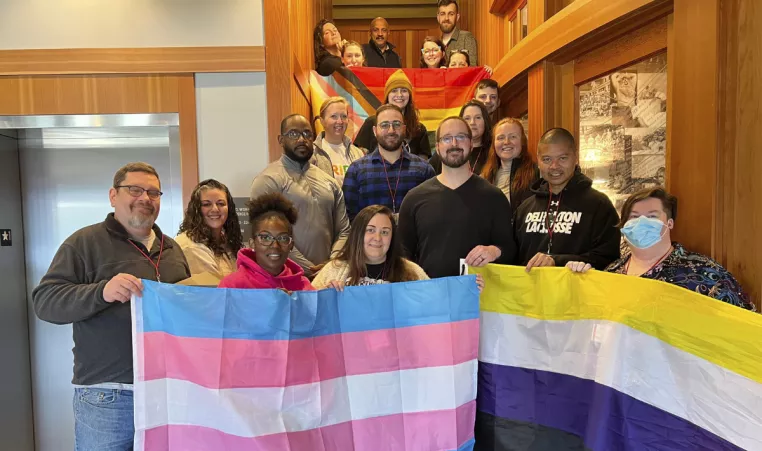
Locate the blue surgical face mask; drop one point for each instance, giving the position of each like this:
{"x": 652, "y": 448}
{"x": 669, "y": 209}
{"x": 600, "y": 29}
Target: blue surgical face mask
{"x": 643, "y": 232}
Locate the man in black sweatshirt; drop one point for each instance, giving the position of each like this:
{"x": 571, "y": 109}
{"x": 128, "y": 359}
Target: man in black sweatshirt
{"x": 89, "y": 285}
{"x": 566, "y": 219}
{"x": 456, "y": 214}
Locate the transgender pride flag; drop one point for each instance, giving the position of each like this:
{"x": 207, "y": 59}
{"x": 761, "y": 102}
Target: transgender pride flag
{"x": 384, "y": 367}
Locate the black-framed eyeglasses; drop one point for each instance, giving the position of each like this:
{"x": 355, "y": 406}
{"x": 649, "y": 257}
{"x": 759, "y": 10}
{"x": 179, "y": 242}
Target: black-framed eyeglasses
{"x": 460, "y": 138}
{"x": 393, "y": 124}
{"x": 265, "y": 239}
{"x": 295, "y": 134}
{"x": 136, "y": 191}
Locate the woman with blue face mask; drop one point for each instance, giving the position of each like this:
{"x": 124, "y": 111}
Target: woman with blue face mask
{"x": 647, "y": 218}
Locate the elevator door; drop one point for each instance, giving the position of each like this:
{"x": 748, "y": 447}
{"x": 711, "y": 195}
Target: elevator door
{"x": 65, "y": 177}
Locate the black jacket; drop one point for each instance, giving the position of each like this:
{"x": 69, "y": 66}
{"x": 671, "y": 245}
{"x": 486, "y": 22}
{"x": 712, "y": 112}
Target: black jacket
{"x": 72, "y": 292}
{"x": 585, "y": 225}
{"x": 419, "y": 143}
{"x": 328, "y": 65}
{"x": 375, "y": 58}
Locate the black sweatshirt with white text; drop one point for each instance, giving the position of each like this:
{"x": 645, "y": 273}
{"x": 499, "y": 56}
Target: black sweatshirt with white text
{"x": 582, "y": 222}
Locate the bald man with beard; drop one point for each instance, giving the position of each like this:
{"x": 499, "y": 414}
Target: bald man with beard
{"x": 379, "y": 52}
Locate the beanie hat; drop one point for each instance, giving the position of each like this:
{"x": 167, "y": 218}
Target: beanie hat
{"x": 397, "y": 80}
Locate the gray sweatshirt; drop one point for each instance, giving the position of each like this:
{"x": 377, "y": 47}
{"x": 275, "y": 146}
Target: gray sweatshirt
{"x": 323, "y": 225}
{"x": 72, "y": 292}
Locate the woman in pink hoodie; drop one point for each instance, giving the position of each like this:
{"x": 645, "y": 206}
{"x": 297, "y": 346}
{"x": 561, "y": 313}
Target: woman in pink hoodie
{"x": 272, "y": 218}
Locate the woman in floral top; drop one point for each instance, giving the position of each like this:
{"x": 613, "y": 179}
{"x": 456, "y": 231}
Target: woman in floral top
{"x": 647, "y": 218}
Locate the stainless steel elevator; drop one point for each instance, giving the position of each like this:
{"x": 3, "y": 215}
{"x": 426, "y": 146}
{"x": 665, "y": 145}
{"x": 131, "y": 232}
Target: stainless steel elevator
{"x": 55, "y": 173}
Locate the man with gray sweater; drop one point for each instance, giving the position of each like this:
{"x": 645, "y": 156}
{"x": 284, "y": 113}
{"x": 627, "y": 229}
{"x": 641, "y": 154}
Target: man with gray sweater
{"x": 89, "y": 284}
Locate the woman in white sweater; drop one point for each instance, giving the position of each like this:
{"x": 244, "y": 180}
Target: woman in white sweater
{"x": 371, "y": 255}
{"x": 210, "y": 235}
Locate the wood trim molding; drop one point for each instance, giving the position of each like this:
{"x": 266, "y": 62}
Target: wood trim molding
{"x": 580, "y": 27}
{"x": 152, "y": 60}
{"x": 505, "y": 7}
{"x": 639, "y": 44}
{"x": 186, "y": 106}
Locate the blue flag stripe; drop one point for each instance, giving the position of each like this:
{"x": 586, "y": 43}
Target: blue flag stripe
{"x": 274, "y": 315}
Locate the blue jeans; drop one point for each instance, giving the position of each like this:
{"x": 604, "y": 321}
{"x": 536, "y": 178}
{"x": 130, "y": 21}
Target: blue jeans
{"x": 103, "y": 419}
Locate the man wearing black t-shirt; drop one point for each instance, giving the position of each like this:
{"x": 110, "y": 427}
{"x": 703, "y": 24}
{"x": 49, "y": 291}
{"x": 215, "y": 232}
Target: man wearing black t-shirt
{"x": 456, "y": 214}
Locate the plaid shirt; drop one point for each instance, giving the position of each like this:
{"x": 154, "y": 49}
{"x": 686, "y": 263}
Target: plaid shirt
{"x": 371, "y": 180}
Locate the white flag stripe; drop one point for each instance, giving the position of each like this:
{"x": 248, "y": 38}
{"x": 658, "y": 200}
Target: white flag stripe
{"x": 654, "y": 372}
{"x": 254, "y": 412}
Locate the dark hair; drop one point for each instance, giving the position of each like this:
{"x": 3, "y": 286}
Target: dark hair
{"x": 409, "y": 113}
{"x": 668, "y": 203}
{"x": 288, "y": 118}
{"x": 459, "y": 52}
{"x": 559, "y": 136}
{"x": 354, "y": 249}
{"x": 486, "y": 83}
{"x": 317, "y": 41}
{"x": 524, "y": 174}
{"x": 145, "y": 168}
{"x": 454, "y": 118}
{"x": 441, "y": 45}
{"x": 272, "y": 205}
{"x": 195, "y": 227}
{"x": 442, "y": 3}
{"x": 389, "y": 106}
{"x": 487, "y": 136}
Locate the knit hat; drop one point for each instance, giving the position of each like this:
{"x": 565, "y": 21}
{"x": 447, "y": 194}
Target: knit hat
{"x": 397, "y": 80}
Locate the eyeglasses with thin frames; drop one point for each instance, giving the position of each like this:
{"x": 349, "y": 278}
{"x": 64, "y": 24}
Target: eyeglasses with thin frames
{"x": 393, "y": 124}
{"x": 460, "y": 138}
{"x": 136, "y": 191}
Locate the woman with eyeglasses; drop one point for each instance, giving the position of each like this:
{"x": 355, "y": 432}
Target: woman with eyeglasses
{"x": 210, "y": 235}
{"x": 398, "y": 91}
{"x": 372, "y": 254}
{"x": 327, "y": 45}
{"x": 476, "y": 115}
{"x": 267, "y": 265}
{"x": 432, "y": 53}
{"x": 509, "y": 166}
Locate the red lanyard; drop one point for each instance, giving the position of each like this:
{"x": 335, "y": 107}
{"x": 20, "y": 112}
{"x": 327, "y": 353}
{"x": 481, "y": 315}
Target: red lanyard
{"x": 550, "y": 226}
{"x": 155, "y": 265}
{"x": 393, "y": 193}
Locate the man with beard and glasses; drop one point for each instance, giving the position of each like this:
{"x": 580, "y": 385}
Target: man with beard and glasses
{"x": 322, "y": 227}
{"x": 89, "y": 285}
{"x": 456, "y": 214}
{"x": 384, "y": 176}
{"x": 453, "y": 37}
{"x": 566, "y": 219}
{"x": 378, "y": 51}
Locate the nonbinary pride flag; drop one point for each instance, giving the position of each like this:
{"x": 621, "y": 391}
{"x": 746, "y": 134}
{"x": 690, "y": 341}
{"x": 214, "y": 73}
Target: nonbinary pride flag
{"x": 437, "y": 93}
{"x": 608, "y": 362}
{"x": 384, "y": 367}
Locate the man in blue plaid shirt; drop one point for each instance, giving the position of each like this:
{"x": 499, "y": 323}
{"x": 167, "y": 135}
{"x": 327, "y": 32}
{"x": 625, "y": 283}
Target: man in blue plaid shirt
{"x": 384, "y": 176}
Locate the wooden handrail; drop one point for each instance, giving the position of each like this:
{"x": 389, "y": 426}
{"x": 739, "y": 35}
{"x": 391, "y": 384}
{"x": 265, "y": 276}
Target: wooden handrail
{"x": 576, "y": 29}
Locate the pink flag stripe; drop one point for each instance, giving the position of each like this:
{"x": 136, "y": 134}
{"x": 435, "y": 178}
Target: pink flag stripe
{"x": 234, "y": 363}
{"x": 435, "y": 430}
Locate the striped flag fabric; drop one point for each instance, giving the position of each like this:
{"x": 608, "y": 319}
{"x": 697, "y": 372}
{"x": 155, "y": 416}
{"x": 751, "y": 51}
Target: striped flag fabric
{"x": 383, "y": 367}
{"x": 601, "y": 361}
{"x": 438, "y": 93}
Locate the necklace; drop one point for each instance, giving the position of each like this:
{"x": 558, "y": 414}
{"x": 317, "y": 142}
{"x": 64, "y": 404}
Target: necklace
{"x": 627, "y": 266}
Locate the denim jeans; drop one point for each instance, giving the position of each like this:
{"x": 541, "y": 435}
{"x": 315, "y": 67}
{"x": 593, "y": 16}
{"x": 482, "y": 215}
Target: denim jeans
{"x": 103, "y": 419}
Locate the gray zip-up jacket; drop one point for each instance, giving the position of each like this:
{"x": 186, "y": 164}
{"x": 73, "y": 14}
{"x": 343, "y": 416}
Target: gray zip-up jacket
{"x": 322, "y": 227}
{"x": 72, "y": 292}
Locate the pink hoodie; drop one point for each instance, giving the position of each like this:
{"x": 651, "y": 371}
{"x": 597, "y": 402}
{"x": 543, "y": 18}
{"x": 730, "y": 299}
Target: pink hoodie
{"x": 251, "y": 275}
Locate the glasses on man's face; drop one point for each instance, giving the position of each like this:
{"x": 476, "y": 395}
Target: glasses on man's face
{"x": 460, "y": 138}
{"x": 396, "y": 125}
{"x": 295, "y": 134}
{"x": 265, "y": 239}
{"x": 136, "y": 191}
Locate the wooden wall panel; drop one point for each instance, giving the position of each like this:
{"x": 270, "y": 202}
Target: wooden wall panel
{"x": 155, "y": 60}
{"x": 111, "y": 94}
{"x": 492, "y": 32}
{"x": 406, "y": 34}
{"x": 538, "y": 101}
